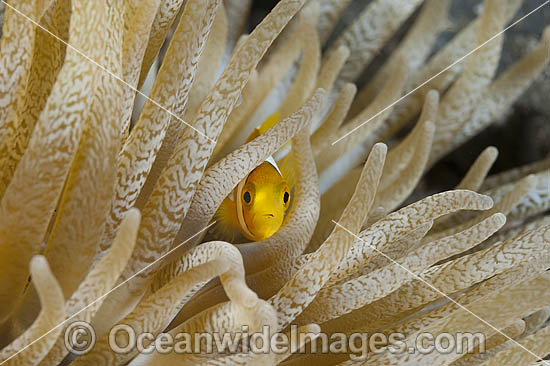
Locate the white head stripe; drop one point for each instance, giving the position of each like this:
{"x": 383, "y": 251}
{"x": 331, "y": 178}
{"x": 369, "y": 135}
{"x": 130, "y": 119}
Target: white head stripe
{"x": 240, "y": 215}
{"x": 271, "y": 161}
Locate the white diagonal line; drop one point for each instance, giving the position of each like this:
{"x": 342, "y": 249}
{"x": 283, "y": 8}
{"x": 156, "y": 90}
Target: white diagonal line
{"x": 443, "y": 294}
{"x": 106, "y": 70}
{"x": 441, "y": 72}
{"x": 108, "y": 292}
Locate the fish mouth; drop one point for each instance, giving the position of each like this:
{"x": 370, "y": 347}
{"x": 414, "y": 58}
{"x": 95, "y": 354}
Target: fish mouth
{"x": 269, "y": 215}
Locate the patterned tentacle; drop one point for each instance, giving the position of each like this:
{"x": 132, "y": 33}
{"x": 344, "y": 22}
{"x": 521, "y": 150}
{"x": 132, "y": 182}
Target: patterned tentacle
{"x": 515, "y": 174}
{"x": 209, "y": 64}
{"x": 239, "y": 117}
{"x": 171, "y": 89}
{"x": 391, "y": 196}
{"x": 463, "y": 43}
{"x": 398, "y": 249}
{"x": 500, "y": 95}
{"x": 504, "y": 204}
{"x": 513, "y": 303}
{"x": 167, "y": 145}
{"x": 16, "y": 58}
{"x": 492, "y": 287}
{"x": 311, "y": 330}
{"x": 89, "y": 295}
{"x": 479, "y": 169}
{"x": 517, "y": 306}
{"x": 137, "y": 155}
{"x": 268, "y": 282}
{"x": 356, "y": 293}
{"x": 493, "y": 345}
{"x": 409, "y": 107}
{"x": 536, "y": 321}
{"x": 203, "y": 79}
{"x": 500, "y": 257}
{"x": 472, "y": 180}
{"x": 331, "y": 68}
{"x": 370, "y": 31}
{"x": 30, "y": 198}
{"x": 398, "y": 158}
{"x": 153, "y": 313}
{"x": 28, "y": 100}
{"x": 479, "y": 70}
{"x": 412, "y": 297}
{"x": 414, "y": 48}
{"x": 397, "y": 224}
{"x": 261, "y": 83}
{"x": 237, "y": 17}
{"x": 138, "y": 20}
{"x": 296, "y": 294}
{"x": 333, "y": 203}
{"x": 304, "y": 334}
{"x": 510, "y": 233}
{"x": 400, "y": 155}
{"x": 391, "y": 91}
{"x": 515, "y": 355}
{"x": 535, "y": 202}
{"x": 321, "y": 137}
{"x": 306, "y": 77}
{"x": 89, "y": 186}
{"x": 224, "y": 318}
{"x": 330, "y": 12}
{"x": 164, "y": 18}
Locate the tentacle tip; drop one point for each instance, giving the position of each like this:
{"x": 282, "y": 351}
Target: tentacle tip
{"x": 485, "y": 202}
{"x": 351, "y": 88}
{"x": 133, "y": 214}
{"x": 344, "y": 51}
{"x": 38, "y": 263}
{"x": 380, "y": 147}
{"x": 433, "y": 96}
{"x": 492, "y": 151}
{"x": 500, "y": 218}
{"x": 311, "y": 11}
{"x": 531, "y": 180}
{"x": 320, "y": 93}
{"x": 429, "y": 126}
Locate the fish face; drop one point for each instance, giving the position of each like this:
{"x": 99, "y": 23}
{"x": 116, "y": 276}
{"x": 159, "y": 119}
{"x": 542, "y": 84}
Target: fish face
{"x": 265, "y": 198}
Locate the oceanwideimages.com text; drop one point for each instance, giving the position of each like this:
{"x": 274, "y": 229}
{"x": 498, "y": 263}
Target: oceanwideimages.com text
{"x": 80, "y": 338}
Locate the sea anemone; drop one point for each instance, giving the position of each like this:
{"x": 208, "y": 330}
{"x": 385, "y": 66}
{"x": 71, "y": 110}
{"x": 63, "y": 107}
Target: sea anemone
{"x": 106, "y": 219}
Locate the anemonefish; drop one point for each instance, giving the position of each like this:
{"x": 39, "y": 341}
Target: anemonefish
{"x": 257, "y": 206}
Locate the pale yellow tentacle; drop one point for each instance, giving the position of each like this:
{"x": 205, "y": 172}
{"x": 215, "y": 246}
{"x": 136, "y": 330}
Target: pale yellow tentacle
{"x": 31, "y": 347}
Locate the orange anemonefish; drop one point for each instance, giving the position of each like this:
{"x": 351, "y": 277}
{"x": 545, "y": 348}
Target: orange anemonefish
{"x": 257, "y": 206}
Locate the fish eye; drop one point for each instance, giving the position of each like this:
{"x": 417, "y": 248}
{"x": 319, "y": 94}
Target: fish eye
{"x": 286, "y": 196}
{"x": 246, "y": 197}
